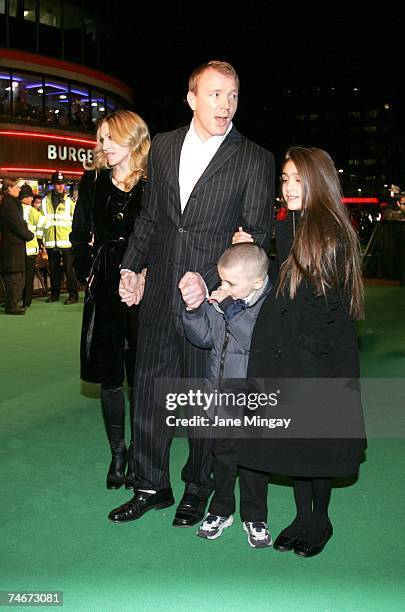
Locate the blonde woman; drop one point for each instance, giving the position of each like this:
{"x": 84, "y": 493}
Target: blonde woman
{"x": 108, "y": 202}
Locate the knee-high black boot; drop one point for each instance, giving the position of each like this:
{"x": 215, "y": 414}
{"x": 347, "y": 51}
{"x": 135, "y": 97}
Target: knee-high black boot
{"x": 130, "y": 475}
{"x": 113, "y": 405}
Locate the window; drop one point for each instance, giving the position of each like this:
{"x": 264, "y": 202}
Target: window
{"x": 97, "y": 106}
{"x": 29, "y": 10}
{"x": 5, "y": 93}
{"x": 80, "y": 107}
{"x": 370, "y": 128}
{"x": 56, "y": 102}
{"x": 50, "y": 13}
{"x": 371, "y": 113}
{"x": 72, "y": 32}
{"x": 111, "y": 105}
{"x": 369, "y": 162}
{"x": 27, "y": 96}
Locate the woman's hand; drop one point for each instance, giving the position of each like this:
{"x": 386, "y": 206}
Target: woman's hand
{"x": 241, "y": 236}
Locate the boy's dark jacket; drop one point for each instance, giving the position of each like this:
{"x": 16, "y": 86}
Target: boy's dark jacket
{"x": 228, "y": 338}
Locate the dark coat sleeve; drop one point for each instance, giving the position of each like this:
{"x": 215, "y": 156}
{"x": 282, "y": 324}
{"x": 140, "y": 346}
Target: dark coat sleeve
{"x": 81, "y": 234}
{"x": 12, "y": 220}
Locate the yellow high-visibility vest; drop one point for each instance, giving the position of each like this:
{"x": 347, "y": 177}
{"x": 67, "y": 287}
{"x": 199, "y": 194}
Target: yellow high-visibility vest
{"x": 57, "y": 224}
{"x": 32, "y": 218}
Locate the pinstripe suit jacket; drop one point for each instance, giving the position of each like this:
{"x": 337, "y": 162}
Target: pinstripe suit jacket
{"x": 237, "y": 188}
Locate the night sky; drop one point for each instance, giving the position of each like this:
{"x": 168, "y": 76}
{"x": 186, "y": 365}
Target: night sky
{"x": 270, "y": 44}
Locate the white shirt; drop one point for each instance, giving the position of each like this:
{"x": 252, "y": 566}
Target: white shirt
{"x": 195, "y": 156}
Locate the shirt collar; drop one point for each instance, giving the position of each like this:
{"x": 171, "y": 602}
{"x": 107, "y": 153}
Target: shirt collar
{"x": 192, "y": 135}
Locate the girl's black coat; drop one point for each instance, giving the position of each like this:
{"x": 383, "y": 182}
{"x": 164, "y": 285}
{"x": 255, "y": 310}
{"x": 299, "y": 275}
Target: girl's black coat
{"x": 307, "y": 337}
{"x": 106, "y": 215}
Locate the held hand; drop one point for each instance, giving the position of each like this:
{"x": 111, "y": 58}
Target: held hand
{"x": 193, "y": 290}
{"x": 219, "y": 295}
{"x": 131, "y": 288}
{"x": 241, "y": 236}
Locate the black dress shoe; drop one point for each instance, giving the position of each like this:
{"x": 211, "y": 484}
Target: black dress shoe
{"x": 191, "y": 510}
{"x": 285, "y": 544}
{"x": 71, "y": 300}
{"x": 53, "y": 298}
{"x": 140, "y": 503}
{"x": 305, "y": 549}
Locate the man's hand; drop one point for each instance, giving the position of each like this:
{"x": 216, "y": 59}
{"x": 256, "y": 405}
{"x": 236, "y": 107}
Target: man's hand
{"x": 193, "y": 289}
{"x": 131, "y": 287}
{"x": 241, "y": 236}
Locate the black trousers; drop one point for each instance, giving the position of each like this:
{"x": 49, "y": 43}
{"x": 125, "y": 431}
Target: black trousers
{"x": 29, "y": 279}
{"x": 13, "y": 288}
{"x": 164, "y": 352}
{"x": 55, "y": 271}
{"x": 252, "y": 485}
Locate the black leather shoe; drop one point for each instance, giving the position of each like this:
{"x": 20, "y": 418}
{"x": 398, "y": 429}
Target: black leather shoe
{"x": 71, "y": 300}
{"x": 140, "y": 503}
{"x": 304, "y": 549}
{"x": 191, "y": 510}
{"x": 285, "y": 544}
{"x": 53, "y": 298}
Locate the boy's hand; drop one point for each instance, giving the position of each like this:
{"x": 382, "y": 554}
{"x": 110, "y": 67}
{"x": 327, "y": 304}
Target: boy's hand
{"x": 241, "y": 236}
{"x": 219, "y": 295}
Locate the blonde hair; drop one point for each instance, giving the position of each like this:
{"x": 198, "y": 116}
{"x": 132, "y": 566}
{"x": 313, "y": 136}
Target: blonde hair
{"x": 251, "y": 257}
{"x": 129, "y": 130}
{"x": 6, "y": 183}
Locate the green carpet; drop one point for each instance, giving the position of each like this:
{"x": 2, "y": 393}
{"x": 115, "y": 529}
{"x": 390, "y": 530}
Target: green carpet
{"x": 55, "y": 532}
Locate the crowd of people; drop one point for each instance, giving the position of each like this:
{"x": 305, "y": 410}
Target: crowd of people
{"x": 34, "y": 235}
{"x": 171, "y": 237}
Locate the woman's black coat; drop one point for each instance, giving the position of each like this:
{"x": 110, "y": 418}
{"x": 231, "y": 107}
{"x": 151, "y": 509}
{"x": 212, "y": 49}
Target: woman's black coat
{"x": 14, "y": 235}
{"x": 104, "y": 215}
{"x": 306, "y": 337}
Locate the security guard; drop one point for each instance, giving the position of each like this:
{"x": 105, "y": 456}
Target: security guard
{"x": 57, "y": 215}
{"x": 32, "y": 218}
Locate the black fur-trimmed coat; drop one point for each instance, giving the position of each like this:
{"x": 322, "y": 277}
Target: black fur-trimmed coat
{"x": 103, "y": 219}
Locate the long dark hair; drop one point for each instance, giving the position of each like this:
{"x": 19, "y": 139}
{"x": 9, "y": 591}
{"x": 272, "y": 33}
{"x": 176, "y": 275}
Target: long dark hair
{"x": 326, "y": 250}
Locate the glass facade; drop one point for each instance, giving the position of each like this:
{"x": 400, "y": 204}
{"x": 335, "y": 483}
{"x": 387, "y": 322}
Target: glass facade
{"x": 40, "y": 99}
{"x": 70, "y": 30}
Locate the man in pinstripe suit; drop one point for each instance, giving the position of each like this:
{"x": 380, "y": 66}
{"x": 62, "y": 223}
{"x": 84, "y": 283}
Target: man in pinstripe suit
{"x": 204, "y": 181}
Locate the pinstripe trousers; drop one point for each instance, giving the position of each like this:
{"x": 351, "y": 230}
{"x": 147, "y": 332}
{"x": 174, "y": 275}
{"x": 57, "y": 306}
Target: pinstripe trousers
{"x": 164, "y": 352}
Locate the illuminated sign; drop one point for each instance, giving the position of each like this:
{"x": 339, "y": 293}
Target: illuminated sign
{"x": 360, "y": 200}
{"x": 63, "y": 153}
{"x": 44, "y": 153}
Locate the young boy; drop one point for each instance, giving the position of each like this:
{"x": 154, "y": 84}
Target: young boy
{"x": 224, "y": 324}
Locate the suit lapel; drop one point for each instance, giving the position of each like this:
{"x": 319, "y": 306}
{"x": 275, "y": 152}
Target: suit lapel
{"x": 175, "y": 153}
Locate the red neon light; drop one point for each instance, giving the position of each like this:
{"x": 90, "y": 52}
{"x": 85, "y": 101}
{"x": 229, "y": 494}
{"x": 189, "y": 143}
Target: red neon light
{"x": 47, "y": 136}
{"x": 360, "y": 200}
{"x": 50, "y": 170}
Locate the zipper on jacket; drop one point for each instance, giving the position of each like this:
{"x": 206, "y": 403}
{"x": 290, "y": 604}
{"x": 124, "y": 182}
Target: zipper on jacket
{"x": 222, "y": 360}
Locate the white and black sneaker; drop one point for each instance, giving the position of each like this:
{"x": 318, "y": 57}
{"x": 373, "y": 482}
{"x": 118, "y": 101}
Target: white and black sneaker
{"x": 258, "y": 534}
{"x": 212, "y": 526}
